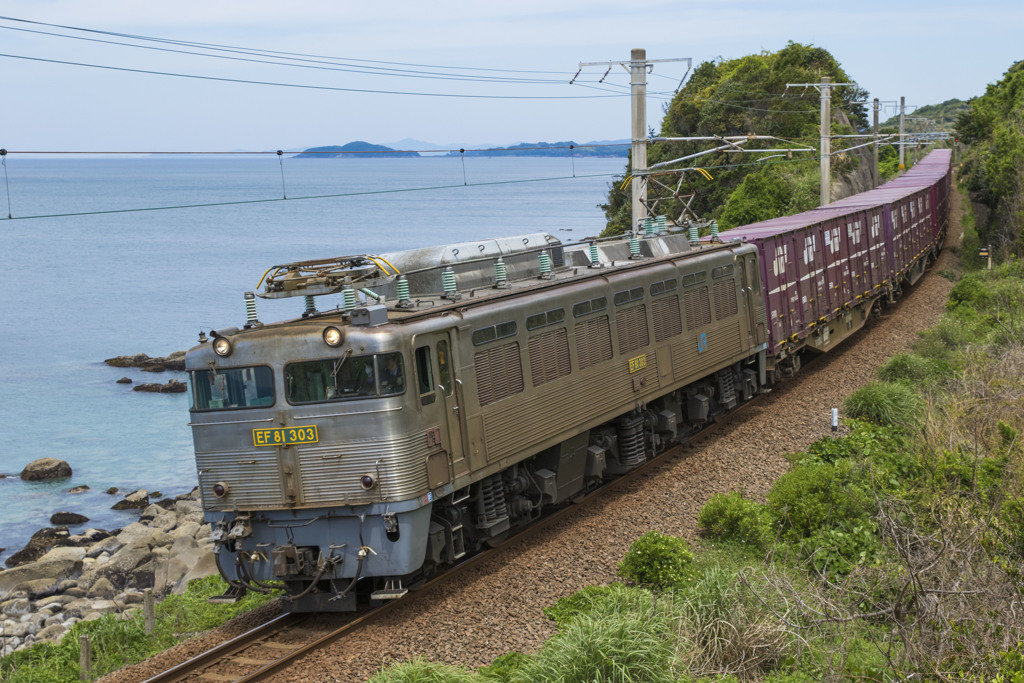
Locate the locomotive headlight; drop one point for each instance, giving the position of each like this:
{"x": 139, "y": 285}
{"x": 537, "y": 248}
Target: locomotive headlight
{"x": 222, "y": 346}
{"x": 333, "y": 336}
{"x": 220, "y": 489}
{"x": 367, "y": 481}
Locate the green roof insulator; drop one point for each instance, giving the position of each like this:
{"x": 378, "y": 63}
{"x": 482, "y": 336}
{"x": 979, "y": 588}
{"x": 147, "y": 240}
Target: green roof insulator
{"x": 448, "y": 283}
{"x": 595, "y": 256}
{"x": 544, "y": 258}
{"x": 634, "y": 247}
{"x": 662, "y": 223}
{"x": 648, "y": 227}
{"x": 714, "y": 231}
{"x": 372, "y": 294}
{"x": 500, "y": 273}
{"x": 251, "y": 319}
{"x": 694, "y": 234}
{"x": 310, "y": 306}
{"x": 349, "y": 297}
{"x": 402, "y": 291}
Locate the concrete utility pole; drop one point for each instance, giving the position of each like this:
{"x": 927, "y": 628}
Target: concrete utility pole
{"x": 825, "y": 87}
{"x": 638, "y": 66}
{"x": 638, "y": 91}
{"x": 875, "y": 180}
{"x": 902, "y": 107}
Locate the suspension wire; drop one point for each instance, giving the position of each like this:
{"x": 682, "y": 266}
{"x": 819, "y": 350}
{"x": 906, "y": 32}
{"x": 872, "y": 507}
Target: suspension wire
{"x": 305, "y": 86}
{"x": 336, "y": 152}
{"x": 258, "y": 51}
{"x": 7, "y": 183}
{"x": 314, "y": 64}
{"x": 319, "y": 196}
{"x": 280, "y": 160}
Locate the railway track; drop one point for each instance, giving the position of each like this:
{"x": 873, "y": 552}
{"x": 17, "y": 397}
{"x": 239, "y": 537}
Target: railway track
{"x": 274, "y": 646}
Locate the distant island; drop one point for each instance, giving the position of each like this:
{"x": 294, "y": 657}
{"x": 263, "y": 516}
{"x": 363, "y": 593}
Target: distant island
{"x": 353, "y": 149}
{"x": 361, "y": 149}
{"x": 614, "y": 148}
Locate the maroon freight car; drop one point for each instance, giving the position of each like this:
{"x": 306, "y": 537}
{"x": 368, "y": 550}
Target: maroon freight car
{"x": 826, "y": 270}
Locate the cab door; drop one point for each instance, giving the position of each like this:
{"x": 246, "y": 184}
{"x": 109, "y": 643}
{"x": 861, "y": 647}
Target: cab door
{"x": 439, "y": 396}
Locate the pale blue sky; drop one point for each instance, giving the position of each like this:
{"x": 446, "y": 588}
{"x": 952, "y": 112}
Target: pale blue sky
{"x": 927, "y": 51}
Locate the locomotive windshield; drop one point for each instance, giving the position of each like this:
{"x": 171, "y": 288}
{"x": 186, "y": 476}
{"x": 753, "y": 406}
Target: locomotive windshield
{"x": 232, "y": 388}
{"x": 347, "y": 377}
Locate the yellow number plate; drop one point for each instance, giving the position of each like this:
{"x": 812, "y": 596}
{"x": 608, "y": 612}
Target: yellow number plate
{"x": 284, "y": 436}
{"x": 637, "y": 364}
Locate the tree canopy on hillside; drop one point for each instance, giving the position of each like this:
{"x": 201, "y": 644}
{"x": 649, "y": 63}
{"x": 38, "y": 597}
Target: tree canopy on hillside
{"x": 747, "y": 95}
{"x": 993, "y": 128}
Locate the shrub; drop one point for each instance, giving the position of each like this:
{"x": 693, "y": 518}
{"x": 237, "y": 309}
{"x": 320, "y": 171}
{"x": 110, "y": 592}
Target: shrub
{"x": 733, "y": 517}
{"x": 658, "y": 560}
{"x": 615, "y": 647}
{"x": 422, "y": 671}
{"x": 614, "y": 598}
{"x": 913, "y": 368}
{"x": 505, "y": 667}
{"x": 818, "y": 495}
{"x": 836, "y": 551}
{"x": 892, "y": 404}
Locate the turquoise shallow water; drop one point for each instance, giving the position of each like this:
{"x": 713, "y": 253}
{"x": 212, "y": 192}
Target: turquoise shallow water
{"x": 80, "y": 289}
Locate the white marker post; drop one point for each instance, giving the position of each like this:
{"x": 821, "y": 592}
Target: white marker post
{"x": 835, "y": 419}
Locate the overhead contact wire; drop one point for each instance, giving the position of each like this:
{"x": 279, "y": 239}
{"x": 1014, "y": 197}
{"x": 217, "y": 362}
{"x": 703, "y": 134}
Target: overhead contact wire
{"x": 292, "y": 199}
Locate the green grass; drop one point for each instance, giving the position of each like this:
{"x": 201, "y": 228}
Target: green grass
{"x": 118, "y": 641}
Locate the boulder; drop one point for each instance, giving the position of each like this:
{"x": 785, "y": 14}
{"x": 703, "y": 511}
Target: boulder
{"x": 124, "y": 380}
{"x": 46, "y": 468}
{"x": 15, "y": 607}
{"x": 51, "y": 634}
{"x": 175, "y": 361}
{"x": 130, "y": 597}
{"x": 41, "y": 541}
{"x": 119, "y": 567}
{"x": 39, "y": 588}
{"x": 172, "y": 387}
{"x": 58, "y": 600}
{"x": 136, "y": 500}
{"x": 102, "y": 589}
{"x": 71, "y": 553}
{"x": 79, "y": 489}
{"x": 144, "y": 576}
{"x": 65, "y": 518}
{"x": 18, "y": 629}
{"x": 108, "y": 545}
{"x": 112, "y": 490}
{"x": 201, "y": 564}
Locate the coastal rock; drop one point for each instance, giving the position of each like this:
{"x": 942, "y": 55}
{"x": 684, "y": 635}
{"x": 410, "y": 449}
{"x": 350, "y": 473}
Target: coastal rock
{"x": 108, "y": 545}
{"x": 64, "y": 518}
{"x": 124, "y": 380}
{"x": 15, "y": 607}
{"x": 79, "y": 489}
{"x": 17, "y": 629}
{"x": 41, "y": 541}
{"x": 172, "y": 387}
{"x": 175, "y": 361}
{"x": 46, "y": 468}
{"x": 102, "y": 589}
{"x": 50, "y": 634}
{"x": 135, "y": 500}
{"x": 112, "y": 490}
{"x": 39, "y": 588}
{"x": 61, "y": 553}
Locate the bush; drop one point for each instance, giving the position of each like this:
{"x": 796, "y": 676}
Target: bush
{"x": 614, "y": 598}
{"x": 658, "y": 560}
{"x": 733, "y": 517}
{"x": 505, "y": 667}
{"x": 815, "y": 496}
{"x": 913, "y": 368}
{"x": 891, "y": 404}
{"x": 422, "y": 671}
{"x": 616, "y": 647}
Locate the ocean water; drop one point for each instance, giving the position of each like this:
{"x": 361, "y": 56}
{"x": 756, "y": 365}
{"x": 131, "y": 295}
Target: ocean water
{"x": 82, "y": 288}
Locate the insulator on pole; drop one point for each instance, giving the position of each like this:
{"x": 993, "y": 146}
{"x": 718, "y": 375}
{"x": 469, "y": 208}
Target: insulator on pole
{"x": 310, "y": 306}
{"x": 348, "y": 297}
{"x": 634, "y": 247}
{"x": 545, "y": 265}
{"x": 448, "y": 283}
{"x": 402, "y": 291}
{"x": 500, "y": 273}
{"x": 595, "y": 256}
{"x": 251, "y": 319}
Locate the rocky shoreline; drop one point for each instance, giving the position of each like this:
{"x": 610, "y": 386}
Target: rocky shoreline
{"x": 81, "y": 577}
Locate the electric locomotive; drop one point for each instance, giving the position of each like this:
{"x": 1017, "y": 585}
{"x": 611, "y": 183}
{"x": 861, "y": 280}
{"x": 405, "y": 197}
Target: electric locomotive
{"x": 427, "y": 403}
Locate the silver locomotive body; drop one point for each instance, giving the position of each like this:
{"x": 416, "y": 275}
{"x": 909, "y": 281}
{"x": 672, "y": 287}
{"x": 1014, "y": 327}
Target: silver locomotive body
{"x": 353, "y": 452}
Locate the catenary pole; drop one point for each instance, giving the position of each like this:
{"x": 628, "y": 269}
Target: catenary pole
{"x": 638, "y": 91}
{"x": 826, "y": 140}
{"x": 874, "y": 168}
{"x": 902, "y": 107}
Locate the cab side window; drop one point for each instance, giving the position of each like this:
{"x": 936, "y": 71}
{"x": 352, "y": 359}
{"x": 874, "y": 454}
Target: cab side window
{"x": 424, "y": 375}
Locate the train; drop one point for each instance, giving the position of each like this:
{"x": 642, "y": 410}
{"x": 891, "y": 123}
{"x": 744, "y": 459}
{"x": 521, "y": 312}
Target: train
{"x": 425, "y": 404}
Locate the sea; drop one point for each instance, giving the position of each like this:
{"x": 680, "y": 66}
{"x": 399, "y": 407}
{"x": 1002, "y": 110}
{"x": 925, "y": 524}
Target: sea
{"x": 114, "y": 256}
